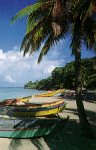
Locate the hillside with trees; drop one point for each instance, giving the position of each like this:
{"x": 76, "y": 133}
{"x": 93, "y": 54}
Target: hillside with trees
{"x": 64, "y": 77}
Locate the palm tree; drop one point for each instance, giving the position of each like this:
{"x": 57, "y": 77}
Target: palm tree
{"x": 43, "y": 26}
{"x": 49, "y": 21}
{"x": 84, "y": 29}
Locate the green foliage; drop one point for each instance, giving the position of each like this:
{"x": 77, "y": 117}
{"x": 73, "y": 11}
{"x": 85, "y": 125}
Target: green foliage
{"x": 39, "y": 26}
{"x": 64, "y": 77}
{"x": 26, "y": 11}
{"x": 84, "y": 25}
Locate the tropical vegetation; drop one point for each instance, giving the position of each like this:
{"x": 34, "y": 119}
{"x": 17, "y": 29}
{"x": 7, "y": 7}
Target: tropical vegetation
{"x": 49, "y": 21}
{"x": 64, "y": 77}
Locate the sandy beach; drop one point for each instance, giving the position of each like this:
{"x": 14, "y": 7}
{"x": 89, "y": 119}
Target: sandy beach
{"x": 48, "y": 144}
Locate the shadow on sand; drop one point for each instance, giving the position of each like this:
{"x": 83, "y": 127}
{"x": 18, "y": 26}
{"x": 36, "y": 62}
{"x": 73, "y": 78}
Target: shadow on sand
{"x": 69, "y": 138}
{"x": 87, "y": 96}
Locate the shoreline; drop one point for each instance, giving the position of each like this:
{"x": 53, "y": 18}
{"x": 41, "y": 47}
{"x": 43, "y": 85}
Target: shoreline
{"x": 71, "y": 111}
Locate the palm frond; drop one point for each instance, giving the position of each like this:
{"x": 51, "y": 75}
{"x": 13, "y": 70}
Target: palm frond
{"x": 38, "y": 34}
{"x": 47, "y": 45}
{"x": 82, "y": 8}
{"x": 80, "y": 4}
{"x": 26, "y": 11}
{"x": 33, "y": 10}
{"x": 26, "y": 49}
{"x": 35, "y": 28}
{"x": 30, "y": 24}
{"x": 34, "y": 19}
{"x": 89, "y": 31}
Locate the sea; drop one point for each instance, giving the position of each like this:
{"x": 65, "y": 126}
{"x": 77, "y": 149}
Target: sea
{"x": 15, "y": 92}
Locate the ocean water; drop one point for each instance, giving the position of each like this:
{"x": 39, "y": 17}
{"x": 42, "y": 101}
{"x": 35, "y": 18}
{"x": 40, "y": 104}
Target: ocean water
{"x": 9, "y": 92}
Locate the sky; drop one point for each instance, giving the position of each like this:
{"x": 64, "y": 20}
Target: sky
{"x": 16, "y": 70}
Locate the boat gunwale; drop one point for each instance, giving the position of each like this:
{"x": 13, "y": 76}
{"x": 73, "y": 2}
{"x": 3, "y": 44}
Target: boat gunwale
{"x": 28, "y": 114}
{"x": 41, "y": 108}
{"x": 32, "y": 104}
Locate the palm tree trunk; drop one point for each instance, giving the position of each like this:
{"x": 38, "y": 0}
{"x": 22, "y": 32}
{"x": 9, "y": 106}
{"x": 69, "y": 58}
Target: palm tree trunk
{"x": 84, "y": 124}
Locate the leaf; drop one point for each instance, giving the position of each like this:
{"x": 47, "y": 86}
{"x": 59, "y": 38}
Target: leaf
{"x": 26, "y": 11}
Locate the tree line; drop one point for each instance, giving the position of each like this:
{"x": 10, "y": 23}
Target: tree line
{"x": 64, "y": 77}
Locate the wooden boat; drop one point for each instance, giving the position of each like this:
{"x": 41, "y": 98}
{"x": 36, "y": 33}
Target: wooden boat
{"x": 50, "y": 93}
{"x": 25, "y": 99}
{"x": 14, "y": 101}
{"x": 40, "y": 111}
{"x": 32, "y": 105}
{"x": 42, "y": 106}
{"x": 37, "y": 105}
{"x": 29, "y": 128}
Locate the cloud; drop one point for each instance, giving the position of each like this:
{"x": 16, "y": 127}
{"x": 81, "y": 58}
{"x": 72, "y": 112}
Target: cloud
{"x": 9, "y": 79}
{"x": 17, "y": 70}
{"x": 2, "y": 55}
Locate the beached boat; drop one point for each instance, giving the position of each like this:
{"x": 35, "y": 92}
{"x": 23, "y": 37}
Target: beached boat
{"x": 29, "y": 128}
{"x": 25, "y": 99}
{"x": 40, "y": 111}
{"x": 49, "y": 93}
{"x": 34, "y": 105}
{"x": 14, "y": 101}
{"x": 37, "y": 105}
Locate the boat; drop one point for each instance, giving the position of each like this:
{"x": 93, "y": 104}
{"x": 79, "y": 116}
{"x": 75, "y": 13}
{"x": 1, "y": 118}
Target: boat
{"x": 42, "y": 106}
{"x": 29, "y": 105}
{"x": 49, "y": 93}
{"x": 39, "y": 111}
{"x": 29, "y": 128}
{"x": 14, "y": 101}
{"x": 25, "y": 99}
{"x": 33, "y": 105}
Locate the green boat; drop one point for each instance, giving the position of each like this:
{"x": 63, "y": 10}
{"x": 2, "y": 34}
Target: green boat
{"x": 28, "y": 128}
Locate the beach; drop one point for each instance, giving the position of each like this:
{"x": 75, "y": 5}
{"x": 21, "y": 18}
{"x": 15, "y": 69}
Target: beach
{"x": 70, "y": 133}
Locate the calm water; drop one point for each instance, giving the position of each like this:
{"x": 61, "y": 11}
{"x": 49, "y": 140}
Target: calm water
{"x": 16, "y": 92}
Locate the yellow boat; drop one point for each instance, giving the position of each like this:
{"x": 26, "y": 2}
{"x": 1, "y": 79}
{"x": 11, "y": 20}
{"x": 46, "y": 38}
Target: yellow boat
{"x": 25, "y": 99}
{"x": 14, "y": 101}
{"x": 38, "y": 105}
{"x": 39, "y": 112}
{"x": 50, "y": 93}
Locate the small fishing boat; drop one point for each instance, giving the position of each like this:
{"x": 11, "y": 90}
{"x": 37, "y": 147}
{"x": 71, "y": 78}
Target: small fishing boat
{"x": 39, "y": 111}
{"x": 24, "y": 100}
{"x": 37, "y": 105}
{"x": 49, "y": 93}
{"x": 29, "y": 128}
{"x": 32, "y": 104}
{"x": 14, "y": 101}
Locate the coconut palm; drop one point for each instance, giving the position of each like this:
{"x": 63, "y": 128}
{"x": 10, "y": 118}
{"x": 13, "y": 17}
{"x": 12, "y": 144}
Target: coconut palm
{"x": 49, "y": 21}
{"x": 43, "y": 26}
{"x": 84, "y": 27}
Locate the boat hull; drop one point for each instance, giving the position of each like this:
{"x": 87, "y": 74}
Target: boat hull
{"x": 31, "y": 105}
{"x": 49, "y": 94}
{"x": 30, "y": 128}
{"x": 14, "y": 101}
{"x": 39, "y": 113}
{"x": 25, "y": 133}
